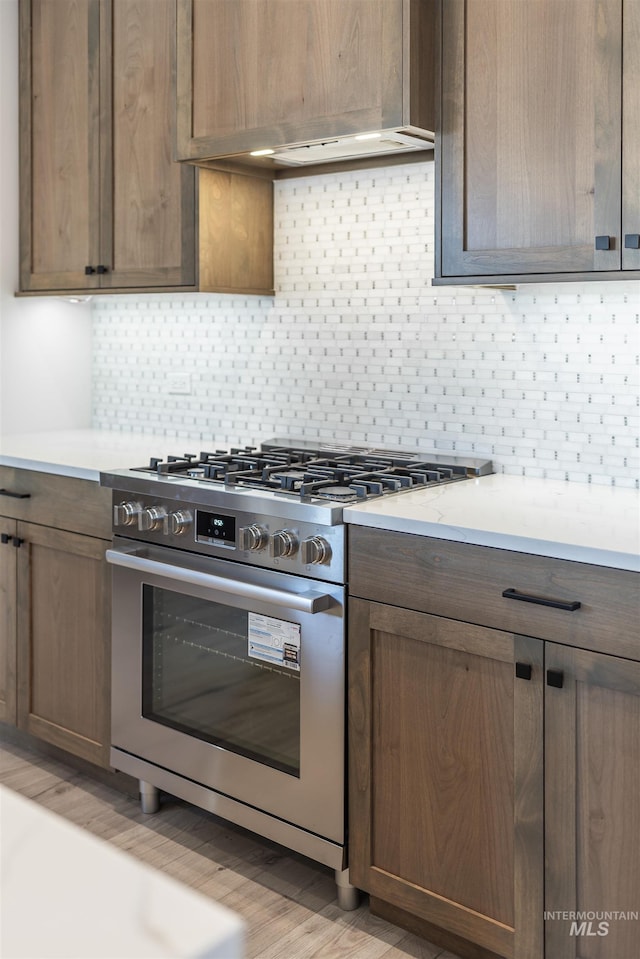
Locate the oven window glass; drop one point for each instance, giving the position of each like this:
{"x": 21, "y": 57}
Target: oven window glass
{"x": 198, "y": 678}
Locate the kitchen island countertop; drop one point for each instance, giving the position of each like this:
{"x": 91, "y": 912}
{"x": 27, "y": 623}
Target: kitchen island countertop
{"x": 574, "y": 521}
{"x": 68, "y": 893}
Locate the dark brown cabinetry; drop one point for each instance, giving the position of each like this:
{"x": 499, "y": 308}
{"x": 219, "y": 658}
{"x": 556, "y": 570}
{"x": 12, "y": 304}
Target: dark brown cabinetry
{"x": 477, "y": 727}
{"x": 103, "y": 205}
{"x": 253, "y": 74}
{"x": 538, "y": 175}
{"x": 55, "y": 611}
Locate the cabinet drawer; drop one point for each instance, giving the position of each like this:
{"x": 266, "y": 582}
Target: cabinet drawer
{"x": 467, "y": 583}
{"x": 64, "y": 502}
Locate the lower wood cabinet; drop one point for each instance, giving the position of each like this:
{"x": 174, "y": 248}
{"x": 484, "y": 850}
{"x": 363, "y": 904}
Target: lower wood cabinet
{"x": 592, "y": 805}
{"x": 8, "y": 606}
{"x": 494, "y": 776}
{"x": 446, "y": 788}
{"x": 55, "y": 616}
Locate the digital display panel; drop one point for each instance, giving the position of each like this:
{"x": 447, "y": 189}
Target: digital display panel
{"x": 215, "y": 528}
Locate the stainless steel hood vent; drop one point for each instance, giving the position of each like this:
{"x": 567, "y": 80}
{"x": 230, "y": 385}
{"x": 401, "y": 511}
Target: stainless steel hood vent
{"x": 350, "y": 148}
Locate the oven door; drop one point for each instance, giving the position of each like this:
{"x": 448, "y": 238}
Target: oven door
{"x": 234, "y": 678}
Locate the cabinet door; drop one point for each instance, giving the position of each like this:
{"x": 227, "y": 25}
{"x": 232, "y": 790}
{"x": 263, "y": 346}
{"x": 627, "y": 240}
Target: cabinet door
{"x": 59, "y": 143}
{"x": 148, "y": 227}
{"x": 592, "y": 748}
{"x": 255, "y": 74}
{"x": 631, "y": 137}
{"x": 99, "y": 188}
{"x": 445, "y": 749}
{"x": 64, "y": 640}
{"x": 7, "y": 623}
{"x": 530, "y": 144}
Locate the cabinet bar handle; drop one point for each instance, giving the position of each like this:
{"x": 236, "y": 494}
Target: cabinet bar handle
{"x": 555, "y": 677}
{"x": 632, "y": 241}
{"x": 523, "y": 670}
{"x": 540, "y": 600}
{"x": 8, "y": 492}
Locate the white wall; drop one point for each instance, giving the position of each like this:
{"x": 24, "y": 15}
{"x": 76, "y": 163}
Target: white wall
{"x": 45, "y": 342}
{"x": 359, "y": 346}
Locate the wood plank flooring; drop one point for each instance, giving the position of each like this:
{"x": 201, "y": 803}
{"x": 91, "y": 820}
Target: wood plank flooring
{"x": 288, "y": 902}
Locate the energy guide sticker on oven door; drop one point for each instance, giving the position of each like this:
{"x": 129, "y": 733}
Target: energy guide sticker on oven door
{"x": 274, "y": 641}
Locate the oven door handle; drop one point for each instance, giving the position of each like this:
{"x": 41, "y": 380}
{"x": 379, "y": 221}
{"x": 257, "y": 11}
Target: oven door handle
{"x": 308, "y": 602}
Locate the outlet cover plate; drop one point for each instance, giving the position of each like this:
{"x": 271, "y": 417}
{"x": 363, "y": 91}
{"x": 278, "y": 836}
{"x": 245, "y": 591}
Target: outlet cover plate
{"x": 179, "y": 383}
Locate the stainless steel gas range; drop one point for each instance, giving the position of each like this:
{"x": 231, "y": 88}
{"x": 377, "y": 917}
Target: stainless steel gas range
{"x": 228, "y": 662}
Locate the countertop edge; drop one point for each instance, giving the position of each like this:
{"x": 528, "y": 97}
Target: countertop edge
{"x": 57, "y": 469}
{"x": 593, "y": 556}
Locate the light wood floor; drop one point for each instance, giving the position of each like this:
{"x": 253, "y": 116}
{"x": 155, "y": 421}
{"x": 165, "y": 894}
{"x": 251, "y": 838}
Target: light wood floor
{"x": 287, "y": 901}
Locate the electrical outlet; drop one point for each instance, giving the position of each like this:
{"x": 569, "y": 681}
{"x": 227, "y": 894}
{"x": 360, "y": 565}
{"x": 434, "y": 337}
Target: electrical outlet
{"x": 179, "y": 383}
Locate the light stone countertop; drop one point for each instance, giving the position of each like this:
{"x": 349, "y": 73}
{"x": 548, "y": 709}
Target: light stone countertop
{"x": 85, "y": 453}
{"x": 573, "y": 521}
{"x": 68, "y": 895}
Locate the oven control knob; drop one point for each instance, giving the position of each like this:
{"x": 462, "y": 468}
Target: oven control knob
{"x": 315, "y": 551}
{"x": 283, "y": 543}
{"x": 125, "y": 514}
{"x": 179, "y": 522}
{"x": 152, "y": 518}
{"x": 252, "y": 537}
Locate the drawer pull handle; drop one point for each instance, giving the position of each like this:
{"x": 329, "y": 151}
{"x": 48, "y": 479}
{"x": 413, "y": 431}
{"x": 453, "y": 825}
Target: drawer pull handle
{"x": 523, "y": 670}
{"x": 8, "y": 492}
{"x": 555, "y": 677}
{"x": 540, "y": 600}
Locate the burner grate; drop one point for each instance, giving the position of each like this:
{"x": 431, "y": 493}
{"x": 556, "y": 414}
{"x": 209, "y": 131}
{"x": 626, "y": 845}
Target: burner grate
{"x": 342, "y": 474}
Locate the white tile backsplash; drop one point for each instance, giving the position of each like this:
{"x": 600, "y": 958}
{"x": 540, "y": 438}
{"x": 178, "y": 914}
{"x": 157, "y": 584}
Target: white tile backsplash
{"x": 359, "y": 346}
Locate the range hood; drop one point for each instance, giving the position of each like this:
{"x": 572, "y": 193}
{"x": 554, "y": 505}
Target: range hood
{"x": 283, "y": 85}
{"x": 347, "y": 148}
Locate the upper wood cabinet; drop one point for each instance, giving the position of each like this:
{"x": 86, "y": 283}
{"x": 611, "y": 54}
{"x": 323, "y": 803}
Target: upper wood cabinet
{"x": 631, "y": 136}
{"x": 103, "y": 205}
{"x": 538, "y": 152}
{"x": 267, "y": 73}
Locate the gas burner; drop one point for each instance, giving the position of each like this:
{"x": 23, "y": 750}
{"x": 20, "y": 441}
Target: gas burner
{"x": 342, "y": 474}
{"x": 341, "y": 494}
